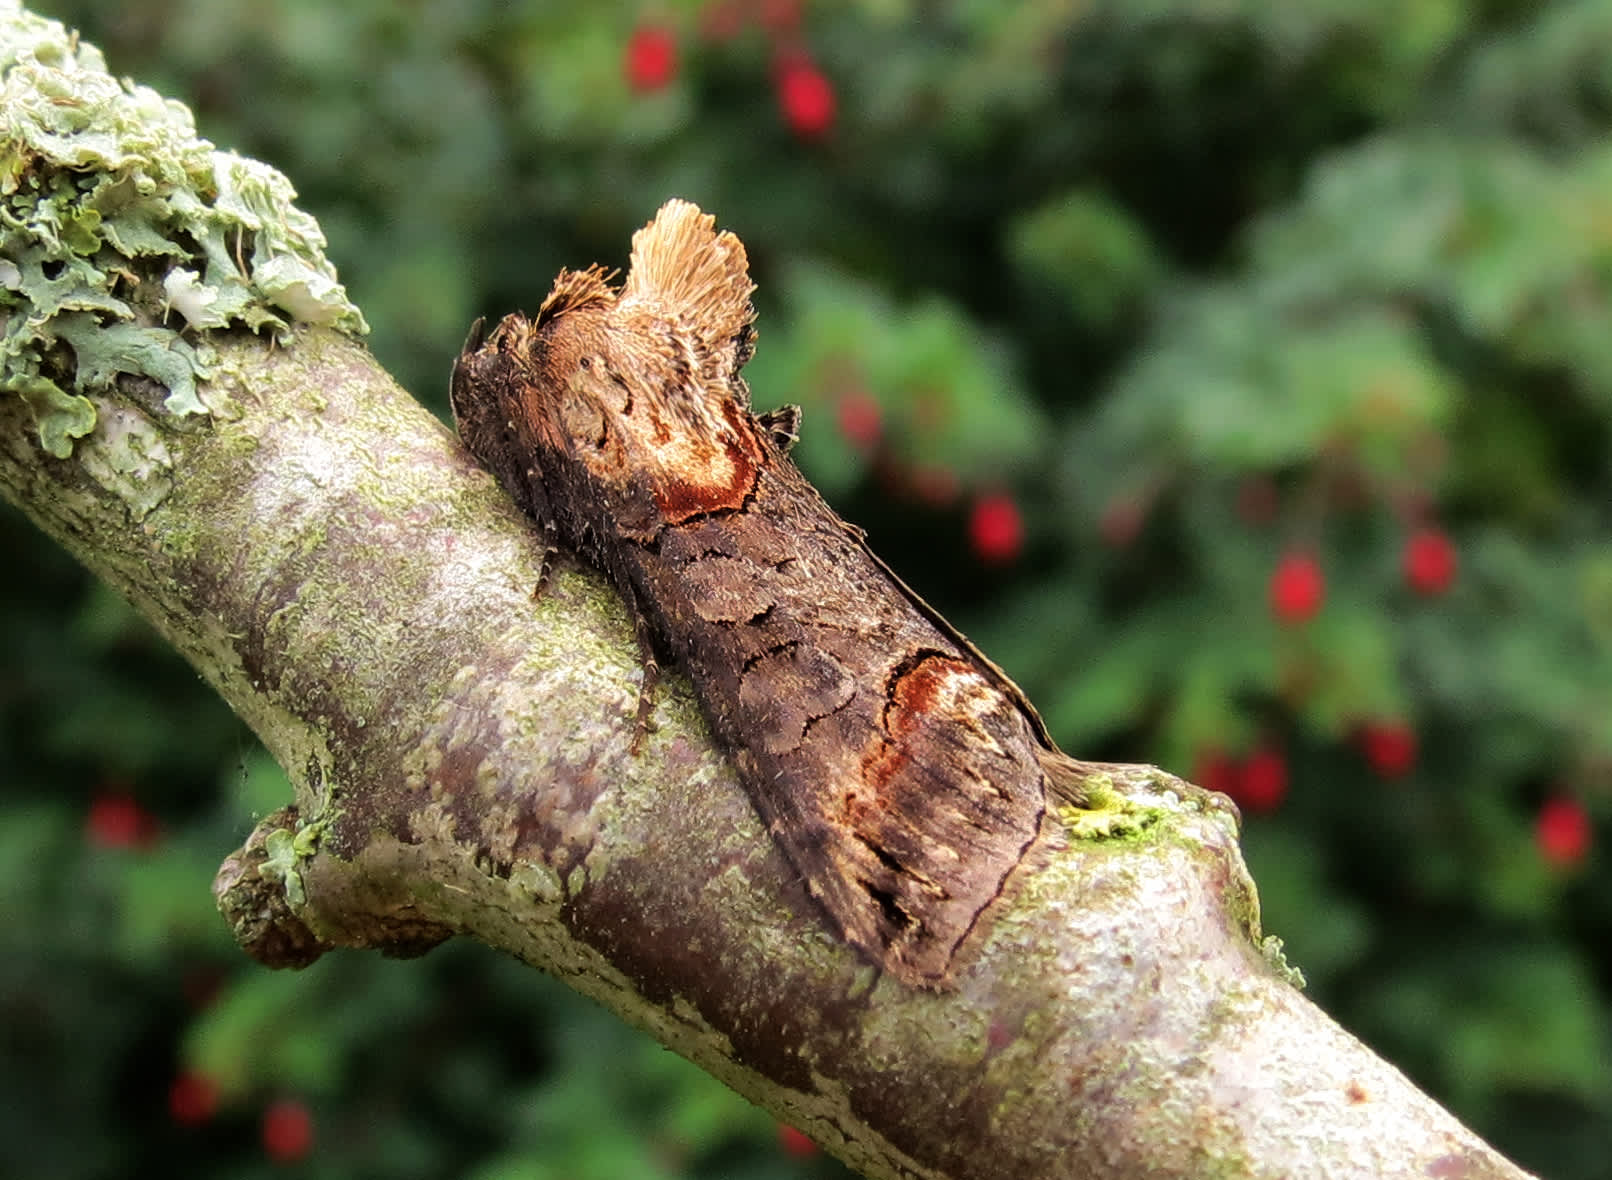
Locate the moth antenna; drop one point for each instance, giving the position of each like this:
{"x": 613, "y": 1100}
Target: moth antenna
{"x": 682, "y": 264}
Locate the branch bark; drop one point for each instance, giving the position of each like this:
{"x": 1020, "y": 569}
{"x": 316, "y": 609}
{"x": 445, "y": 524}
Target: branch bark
{"x": 329, "y": 558}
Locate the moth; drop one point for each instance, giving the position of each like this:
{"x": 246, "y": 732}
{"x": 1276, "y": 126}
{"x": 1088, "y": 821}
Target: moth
{"x": 900, "y": 771}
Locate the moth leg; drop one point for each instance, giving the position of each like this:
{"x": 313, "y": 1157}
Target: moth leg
{"x": 783, "y": 425}
{"x": 646, "y": 686}
{"x": 546, "y": 556}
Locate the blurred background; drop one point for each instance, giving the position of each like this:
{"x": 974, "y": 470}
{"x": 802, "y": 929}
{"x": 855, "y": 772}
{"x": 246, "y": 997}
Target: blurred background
{"x": 1237, "y": 372}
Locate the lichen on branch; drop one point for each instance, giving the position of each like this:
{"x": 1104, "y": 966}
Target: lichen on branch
{"x": 121, "y": 229}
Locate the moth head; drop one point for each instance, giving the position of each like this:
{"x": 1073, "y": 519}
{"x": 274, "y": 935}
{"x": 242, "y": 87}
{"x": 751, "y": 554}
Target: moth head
{"x": 640, "y": 384}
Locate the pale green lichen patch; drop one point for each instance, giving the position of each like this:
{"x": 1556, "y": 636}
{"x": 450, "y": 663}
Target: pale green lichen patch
{"x": 1107, "y": 813}
{"x": 286, "y": 851}
{"x": 111, "y": 205}
{"x": 1270, "y": 948}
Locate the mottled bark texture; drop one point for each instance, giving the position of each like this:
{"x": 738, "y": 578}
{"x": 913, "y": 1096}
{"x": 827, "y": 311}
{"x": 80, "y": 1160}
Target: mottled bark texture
{"x": 337, "y": 566}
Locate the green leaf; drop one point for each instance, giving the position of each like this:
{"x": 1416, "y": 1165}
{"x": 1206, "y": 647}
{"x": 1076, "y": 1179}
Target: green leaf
{"x": 1091, "y": 249}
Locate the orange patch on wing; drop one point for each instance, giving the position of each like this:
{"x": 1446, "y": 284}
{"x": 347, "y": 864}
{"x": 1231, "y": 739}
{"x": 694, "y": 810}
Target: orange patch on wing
{"x": 881, "y": 765}
{"x": 938, "y": 690}
{"x": 937, "y": 684}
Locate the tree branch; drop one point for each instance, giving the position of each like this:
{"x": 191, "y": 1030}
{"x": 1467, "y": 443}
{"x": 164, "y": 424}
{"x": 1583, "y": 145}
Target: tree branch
{"x": 329, "y": 558}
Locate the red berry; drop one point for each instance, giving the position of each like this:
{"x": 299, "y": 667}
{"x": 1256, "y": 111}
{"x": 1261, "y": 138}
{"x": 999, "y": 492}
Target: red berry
{"x": 115, "y": 820}
{"x": 1562, "y": 832}
{"x": 1430, "y": 561}
{"x": 995, "y": 528}
{"x": 192, "y": 1099}
{"x": 807, "y": 99}
{"x": 1216, "y": 771}
{"x": 287, "y": 1130}
{"x": 795, "y": 1143}
{"x": 859, "y": 419}
{"x": 1390, "y": 747}
{"x": 651, "y": 60}
{"x": 1297, "y": 588}
{"x": 1262, "y": 785}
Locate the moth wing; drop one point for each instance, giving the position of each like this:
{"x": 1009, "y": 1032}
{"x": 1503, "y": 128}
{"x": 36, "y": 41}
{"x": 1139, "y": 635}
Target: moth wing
{"x": 987, "y": 666}
{"x": 905, "y": 799}
{"x": 898, "y": 772}
{"x": 907, "y": 817}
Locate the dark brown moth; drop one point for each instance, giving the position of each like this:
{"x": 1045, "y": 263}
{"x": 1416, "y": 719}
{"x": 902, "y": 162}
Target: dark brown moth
{"x": 900, "y": 771}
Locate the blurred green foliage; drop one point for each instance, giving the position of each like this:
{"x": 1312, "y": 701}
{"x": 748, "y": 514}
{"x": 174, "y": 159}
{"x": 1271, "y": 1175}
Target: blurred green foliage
{"x": 1199, "y": 285}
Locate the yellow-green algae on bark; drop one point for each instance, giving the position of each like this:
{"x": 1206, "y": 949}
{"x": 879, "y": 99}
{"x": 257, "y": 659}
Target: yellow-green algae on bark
{"x": 111, "y": 206}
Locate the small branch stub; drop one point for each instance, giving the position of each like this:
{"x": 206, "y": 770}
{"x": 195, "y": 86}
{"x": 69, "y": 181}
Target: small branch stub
{"x": 251, "y": 891}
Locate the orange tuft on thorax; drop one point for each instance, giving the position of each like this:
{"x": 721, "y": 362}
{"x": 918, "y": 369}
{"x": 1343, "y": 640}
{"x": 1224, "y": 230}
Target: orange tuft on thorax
{"x": 699, "y": 476}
